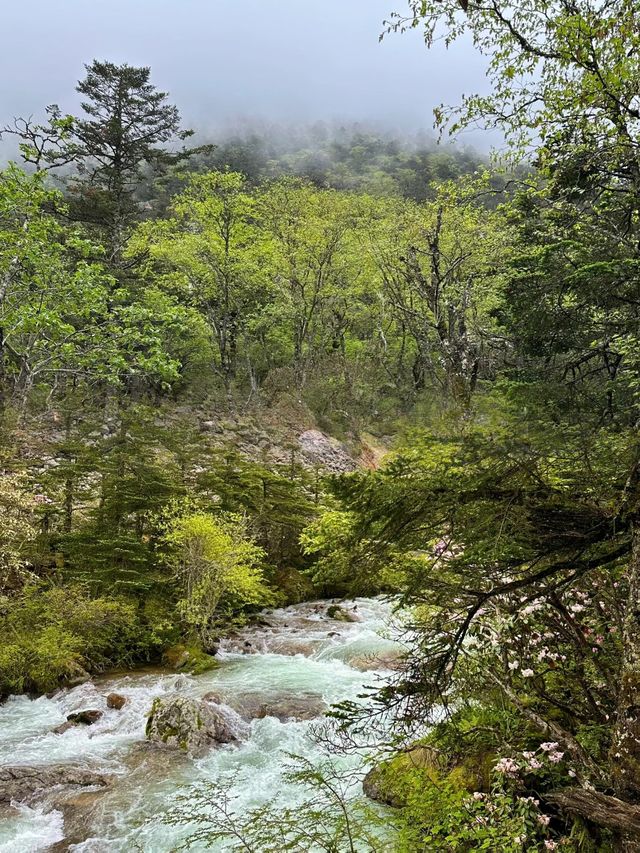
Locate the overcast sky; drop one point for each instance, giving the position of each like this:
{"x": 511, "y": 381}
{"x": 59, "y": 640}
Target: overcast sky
{"x": 225, "y": 61}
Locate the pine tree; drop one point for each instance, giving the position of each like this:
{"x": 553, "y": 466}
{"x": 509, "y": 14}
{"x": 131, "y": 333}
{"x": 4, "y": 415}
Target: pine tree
{"x": 121, "y": 137}
{"x": 128, "y": 121}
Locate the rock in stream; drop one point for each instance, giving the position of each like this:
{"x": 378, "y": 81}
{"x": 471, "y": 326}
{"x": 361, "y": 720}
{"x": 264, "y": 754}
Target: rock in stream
{"x": 19, "y": 783}
{"x": 191, "y": 725}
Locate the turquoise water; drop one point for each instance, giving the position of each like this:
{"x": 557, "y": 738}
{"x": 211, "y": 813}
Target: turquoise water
{"x": 293, "y": 655}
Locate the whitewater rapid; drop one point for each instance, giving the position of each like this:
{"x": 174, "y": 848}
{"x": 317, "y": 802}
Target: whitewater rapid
{"x": 297, "y": 652}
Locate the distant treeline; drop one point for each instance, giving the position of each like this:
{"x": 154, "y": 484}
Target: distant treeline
{"x": 349, "y": 157}
{"x": 346, "y": 158}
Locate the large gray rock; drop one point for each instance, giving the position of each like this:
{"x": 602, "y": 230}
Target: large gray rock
{"x": 322, "y": 450}
{"x": 282, "y": 706}
{"x": 19, "y": 783}
{"x": 302, "y": 707}
{"x": 77, "y": 675}
{"x": 378, "y": 789}
{"x": 384, "y": 659}
{"x": 80, "y": 809}
{"x": 334, "y": 611}
{"x": 192, "y": 725}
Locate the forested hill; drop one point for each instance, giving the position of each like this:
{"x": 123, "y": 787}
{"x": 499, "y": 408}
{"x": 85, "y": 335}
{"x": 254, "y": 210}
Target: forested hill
{"x": 343, "y": 157}
{"x": 347, "y": 158}
{"x": 192, "y": 339}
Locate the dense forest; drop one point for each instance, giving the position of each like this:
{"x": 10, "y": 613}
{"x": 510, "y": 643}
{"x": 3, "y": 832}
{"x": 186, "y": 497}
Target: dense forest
{"x": 172, "y": 318}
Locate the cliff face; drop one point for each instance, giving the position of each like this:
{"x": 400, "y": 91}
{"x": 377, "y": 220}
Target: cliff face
{"x": 281, "y": 434}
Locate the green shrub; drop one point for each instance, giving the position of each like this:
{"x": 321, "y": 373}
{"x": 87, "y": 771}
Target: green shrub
{"x": 219, "y": 570}
{"x": 51, "y": 634}
{"x": 40, "y": 661}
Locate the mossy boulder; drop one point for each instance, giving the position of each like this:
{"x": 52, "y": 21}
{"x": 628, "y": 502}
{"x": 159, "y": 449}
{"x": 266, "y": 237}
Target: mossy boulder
{"x": 193, "y": 726}
{"x": 334, "y": 611}
{"x": 76, "y": 675}
{"x": 387, "y": 781}
{"x": 188, "y": 659}
{"x": 390, "y": 782}
{"x": 473, "y": 771}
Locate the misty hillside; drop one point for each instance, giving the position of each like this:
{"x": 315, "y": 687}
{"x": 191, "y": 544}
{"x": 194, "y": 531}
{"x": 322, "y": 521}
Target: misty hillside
{"x": 352, "y": 158}
{"x": 345, "y": 158}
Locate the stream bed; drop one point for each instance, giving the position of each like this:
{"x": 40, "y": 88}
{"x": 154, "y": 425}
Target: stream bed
{"x": 285, "y": 672}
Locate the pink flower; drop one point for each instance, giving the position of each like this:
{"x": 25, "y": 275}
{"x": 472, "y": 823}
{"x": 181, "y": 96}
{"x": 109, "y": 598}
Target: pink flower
{"x": 544, "y": 819}
{"x": 507, "y": 766}
{"x": 478, "y": 795}
{"x": 548, "y": 746}
{"x": 527, "y": 673}
{"x": 550, "y": 845}
{"x": 555, "y": 757}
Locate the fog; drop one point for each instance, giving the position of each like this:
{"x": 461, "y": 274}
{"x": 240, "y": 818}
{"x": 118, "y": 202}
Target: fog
{"x": 233, "y": 62}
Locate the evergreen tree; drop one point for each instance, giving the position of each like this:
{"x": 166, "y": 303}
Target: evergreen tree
{"x": 126, "y": 126}
{"x": 122, "y": 134}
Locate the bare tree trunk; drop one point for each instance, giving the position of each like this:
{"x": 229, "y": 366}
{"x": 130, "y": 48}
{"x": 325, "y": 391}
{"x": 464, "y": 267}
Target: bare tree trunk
{"x": 69, "y": 491}
{"x": 625, "y": 747}
{"x": 624, "y": 754}
{"x": 298, "y": 358}
{"x": 606, "y": 812}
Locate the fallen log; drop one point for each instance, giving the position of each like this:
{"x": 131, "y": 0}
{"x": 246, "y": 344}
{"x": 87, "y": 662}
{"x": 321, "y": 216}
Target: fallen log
{"x": 603, "y": 810}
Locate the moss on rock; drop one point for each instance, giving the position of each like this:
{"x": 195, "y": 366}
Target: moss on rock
{"x": 391, "y": 782}
{"x": 188, "y": 659}
{"x": 334, "y": 611}
{"x": 191, "y": 725}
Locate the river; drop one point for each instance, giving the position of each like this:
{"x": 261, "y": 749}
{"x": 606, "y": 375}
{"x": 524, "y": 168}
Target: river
{"x": 298, "y": 661}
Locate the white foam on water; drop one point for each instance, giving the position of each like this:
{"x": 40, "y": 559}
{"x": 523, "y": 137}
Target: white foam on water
{"x": 32, "y": 829}
{"x": 26, "y": 726}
